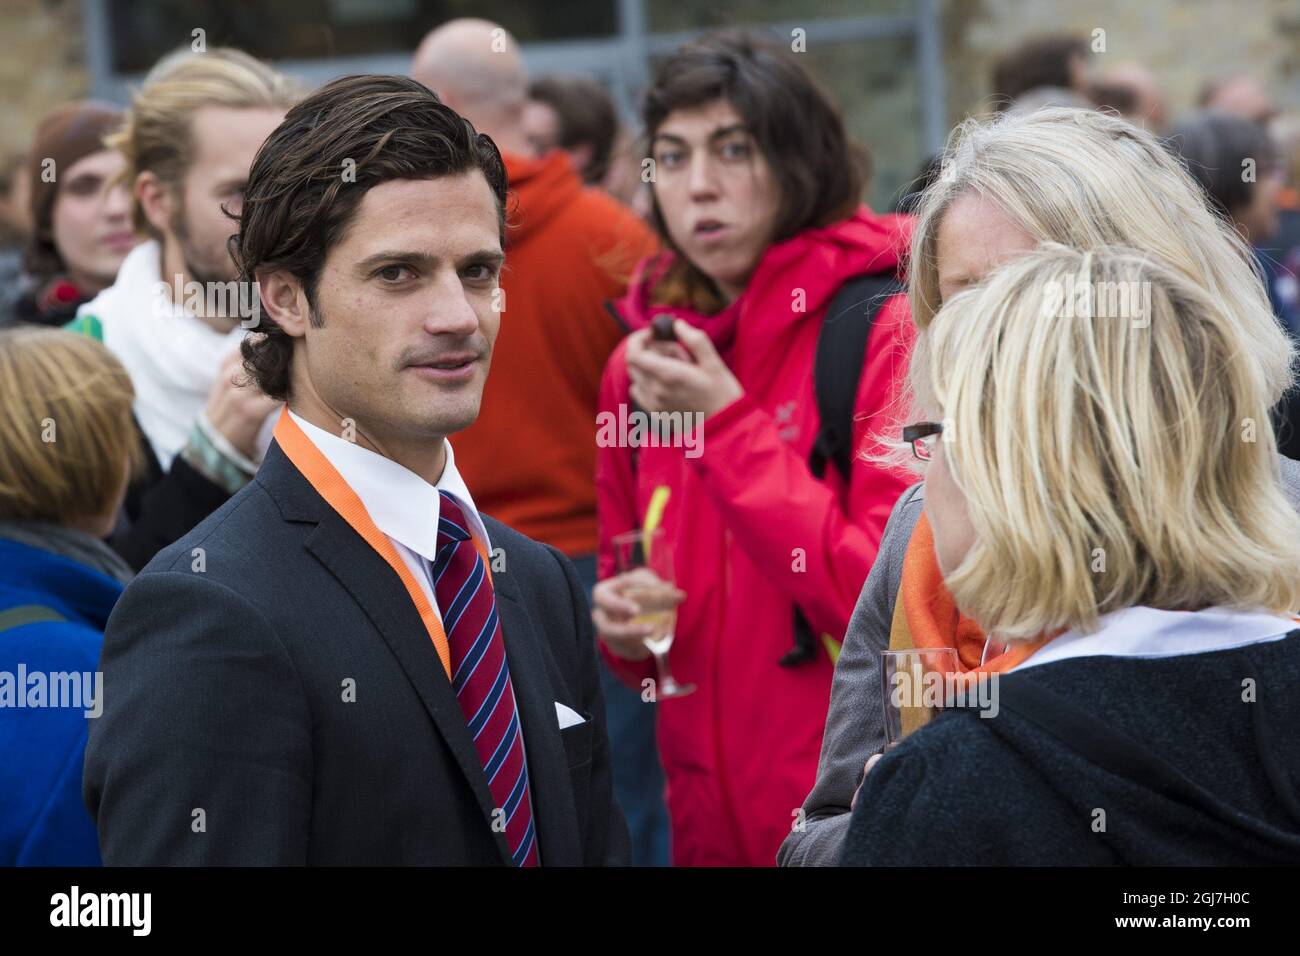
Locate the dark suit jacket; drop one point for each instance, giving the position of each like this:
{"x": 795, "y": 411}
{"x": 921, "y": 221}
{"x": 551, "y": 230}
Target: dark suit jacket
{"x": 229, "y": 735}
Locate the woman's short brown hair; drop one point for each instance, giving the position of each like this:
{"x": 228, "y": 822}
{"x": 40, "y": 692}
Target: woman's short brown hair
{"x": 67, "y": 438}
{"x": 820, "y": 172}
{"x": 311, "y": 174}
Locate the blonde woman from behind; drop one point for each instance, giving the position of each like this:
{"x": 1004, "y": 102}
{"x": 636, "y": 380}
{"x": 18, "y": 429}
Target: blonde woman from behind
{"x": 1096, "y": 502}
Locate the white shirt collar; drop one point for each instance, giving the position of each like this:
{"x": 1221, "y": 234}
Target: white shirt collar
{"x": 1150, "y": 633}
{"x": 401, "y": 504}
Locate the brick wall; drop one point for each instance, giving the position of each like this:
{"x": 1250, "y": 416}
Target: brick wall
{"x": 1183, "y": 42}
{"x": 41, "y": 64}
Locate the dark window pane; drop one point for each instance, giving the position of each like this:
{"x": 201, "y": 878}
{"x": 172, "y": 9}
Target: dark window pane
{"x": 875, "y": 84}
{"x": 144, "y": 30}
{"x": 670, "y": 15}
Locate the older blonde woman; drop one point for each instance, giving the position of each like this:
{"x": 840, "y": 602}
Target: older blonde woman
{"x": 1074, "y": 177}
{"x": 1151, "y": 721}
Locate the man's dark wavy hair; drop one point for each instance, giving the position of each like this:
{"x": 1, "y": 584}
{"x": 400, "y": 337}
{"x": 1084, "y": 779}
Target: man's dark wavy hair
{"x": 310, "y": 175}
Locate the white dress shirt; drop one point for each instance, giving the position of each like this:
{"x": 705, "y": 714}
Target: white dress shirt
{"x": 405, "y": 507}
{"x": 402, "y": 505}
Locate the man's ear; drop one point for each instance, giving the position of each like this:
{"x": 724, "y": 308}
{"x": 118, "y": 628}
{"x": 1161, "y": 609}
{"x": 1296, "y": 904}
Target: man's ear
{"x": 284, "y": 297}
{"x": 157, "y": 200}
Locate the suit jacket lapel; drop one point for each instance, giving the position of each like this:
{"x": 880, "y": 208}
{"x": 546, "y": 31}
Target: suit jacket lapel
{"x": 381, "y": 594}
{"x": 554, "y": 812}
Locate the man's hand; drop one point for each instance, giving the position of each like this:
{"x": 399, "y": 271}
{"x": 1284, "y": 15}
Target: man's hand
{"x": 612, "y": 612}
{"x": 236, "y": 407}
{"x": 687, "y": 377}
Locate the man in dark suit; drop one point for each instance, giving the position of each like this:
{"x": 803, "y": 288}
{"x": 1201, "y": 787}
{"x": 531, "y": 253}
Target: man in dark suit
{"x": 347, "y": 663}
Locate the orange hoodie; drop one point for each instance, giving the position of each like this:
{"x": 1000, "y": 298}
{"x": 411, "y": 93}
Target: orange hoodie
{"x": 530, "y": 458}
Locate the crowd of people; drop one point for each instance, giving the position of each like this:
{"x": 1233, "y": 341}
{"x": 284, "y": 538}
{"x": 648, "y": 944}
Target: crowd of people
{"x": 302, "y": 468}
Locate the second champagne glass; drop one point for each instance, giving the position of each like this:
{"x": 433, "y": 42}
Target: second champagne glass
{"x": 904, "y": 676}
{"x": 655, "y": 592}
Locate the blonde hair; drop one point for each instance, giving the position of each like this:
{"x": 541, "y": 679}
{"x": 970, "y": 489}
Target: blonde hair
{"x": 156, "y": 135}
{"x": 67, "y": 438}
{"x": 1109, "y": 457}
{"x": 1086, "y": 179}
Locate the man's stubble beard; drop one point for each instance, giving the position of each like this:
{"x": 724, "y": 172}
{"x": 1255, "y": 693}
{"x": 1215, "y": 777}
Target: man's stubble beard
{"x": 190, "y": 254}
{"x": 387, "y": 424}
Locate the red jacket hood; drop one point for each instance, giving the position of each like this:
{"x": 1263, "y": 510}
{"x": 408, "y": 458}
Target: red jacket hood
{"x": 540, "y": 187}
{"x": 818, "y": 261}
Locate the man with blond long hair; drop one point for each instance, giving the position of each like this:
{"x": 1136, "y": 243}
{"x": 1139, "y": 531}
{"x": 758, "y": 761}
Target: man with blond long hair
{"x": 176, "y": 313}
{"x": 1096, "y": 502}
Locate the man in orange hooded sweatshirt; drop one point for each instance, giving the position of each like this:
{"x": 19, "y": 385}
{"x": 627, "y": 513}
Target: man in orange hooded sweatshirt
{"x": 531, "y": 455}
{"x": 569, "y": 249}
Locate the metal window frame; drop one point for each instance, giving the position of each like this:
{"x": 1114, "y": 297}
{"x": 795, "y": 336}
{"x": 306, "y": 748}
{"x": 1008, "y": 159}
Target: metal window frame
{"x": 621, "y": 60}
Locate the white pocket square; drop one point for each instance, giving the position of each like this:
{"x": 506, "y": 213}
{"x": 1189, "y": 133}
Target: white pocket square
{"x": 567, "y": 716}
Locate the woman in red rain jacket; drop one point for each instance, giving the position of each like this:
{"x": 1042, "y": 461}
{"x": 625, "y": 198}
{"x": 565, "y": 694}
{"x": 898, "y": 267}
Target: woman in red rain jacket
{"x": 757, "y": 195}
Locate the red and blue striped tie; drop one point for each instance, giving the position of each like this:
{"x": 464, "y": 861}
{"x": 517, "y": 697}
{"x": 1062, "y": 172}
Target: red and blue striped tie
{"x": 480, "y": 675}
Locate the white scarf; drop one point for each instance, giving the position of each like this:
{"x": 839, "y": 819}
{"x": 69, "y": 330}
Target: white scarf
{"x": 171, "y": 355}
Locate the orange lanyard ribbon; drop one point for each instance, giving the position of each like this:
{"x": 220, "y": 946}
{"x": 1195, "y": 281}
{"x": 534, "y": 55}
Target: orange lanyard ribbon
{"x": 331, "y": 486}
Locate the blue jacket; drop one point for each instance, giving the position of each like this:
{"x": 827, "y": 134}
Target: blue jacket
{"x": 52, "y": 616}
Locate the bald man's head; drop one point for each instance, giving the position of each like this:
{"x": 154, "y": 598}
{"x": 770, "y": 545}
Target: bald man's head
{"x": 1150, "y": 106}
{"x": 475, "y": 67}
{"x": 1241, "y": 95}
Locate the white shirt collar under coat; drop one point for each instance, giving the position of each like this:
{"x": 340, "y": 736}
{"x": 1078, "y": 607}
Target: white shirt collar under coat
{"x": 1149, "y": 632}
{"x": 401, "y": 504}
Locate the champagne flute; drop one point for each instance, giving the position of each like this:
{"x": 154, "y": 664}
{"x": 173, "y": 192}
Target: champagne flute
{"x": 648, "y": 553}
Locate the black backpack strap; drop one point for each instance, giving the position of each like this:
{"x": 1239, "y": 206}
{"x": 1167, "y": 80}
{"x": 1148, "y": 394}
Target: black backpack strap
{"x": 617, "y": 316}
{"x": 837, "y": 370}
{"x": 841, "y": 347}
